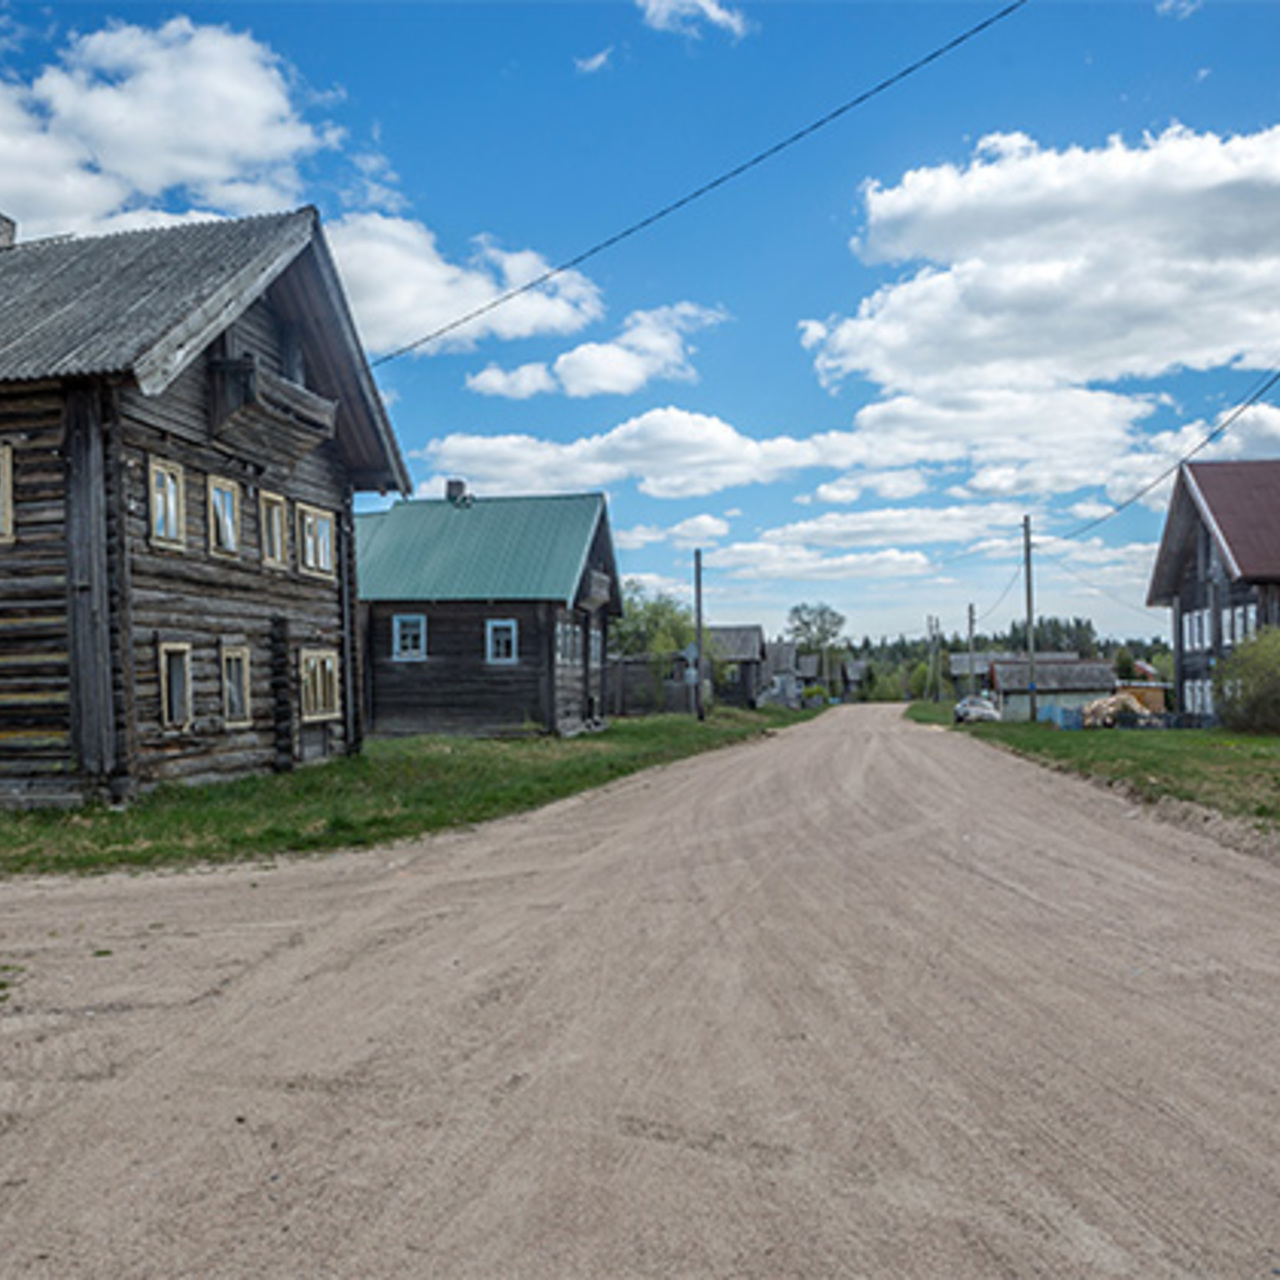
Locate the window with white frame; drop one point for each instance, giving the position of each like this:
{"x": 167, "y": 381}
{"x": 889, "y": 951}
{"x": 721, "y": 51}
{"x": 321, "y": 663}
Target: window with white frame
{"x": 168, "y": 503}
{"x": 315, "y": 540}
{"x": 409, "y": 637}
{"x": 319, "y": 678}
{"x": 6, "y": 493}
{"x": 501, "y": 641}
{"x": 175, "y": 685}
{"x": 271, "y": 517}
{"x": 235, "y": 686}
{"x": 224, "y": 516}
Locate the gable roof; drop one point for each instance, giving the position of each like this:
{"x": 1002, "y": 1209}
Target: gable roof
{"x": 737, "y": 644}
{"x": 518, "y": 548}
{"x": 145, "y": 304}
{"x": 1239, "y": 504}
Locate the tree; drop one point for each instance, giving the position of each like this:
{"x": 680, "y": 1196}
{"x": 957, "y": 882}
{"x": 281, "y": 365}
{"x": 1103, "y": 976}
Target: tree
{"x": 1124, "y": 664}
{"x": 1246, "y": 684}
{"x": 814, "y": 627}
{"x": 657, "y": 624}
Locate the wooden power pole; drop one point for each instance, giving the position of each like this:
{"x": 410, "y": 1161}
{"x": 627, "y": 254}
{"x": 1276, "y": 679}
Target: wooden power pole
{"x": 1031, "y": 617}
{"x": 697, "y": 609}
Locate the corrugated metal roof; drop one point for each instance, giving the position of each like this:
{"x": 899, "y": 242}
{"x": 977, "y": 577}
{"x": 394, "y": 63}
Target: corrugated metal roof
{"x": 1239, "y": 503}
{"x": 1243, "y": 501}
{"x": 99, "y": 305}
{"x": 517, "y": 548}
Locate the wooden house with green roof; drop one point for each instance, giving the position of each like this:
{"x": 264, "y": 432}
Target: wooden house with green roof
{"x": 185, "y": 415}
{"x": 487, "y": 615}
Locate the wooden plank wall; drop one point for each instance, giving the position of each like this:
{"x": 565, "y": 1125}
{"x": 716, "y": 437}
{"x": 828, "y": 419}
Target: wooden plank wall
{"x": 35, "y": 726}
{"x": 455, "y": 690}
{"x": 208, "y": 601}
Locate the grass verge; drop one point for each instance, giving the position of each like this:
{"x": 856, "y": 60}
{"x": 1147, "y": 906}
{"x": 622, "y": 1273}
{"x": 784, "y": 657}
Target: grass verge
{"x": 1234, "y": 774}
{"x": 396, "y": 788}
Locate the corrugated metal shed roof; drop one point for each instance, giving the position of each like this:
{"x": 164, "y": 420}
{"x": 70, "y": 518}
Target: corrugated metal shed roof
{"x": 1082, "y": 676}
{"x": 517, "y": 548}
{"x": 99, "y": 305}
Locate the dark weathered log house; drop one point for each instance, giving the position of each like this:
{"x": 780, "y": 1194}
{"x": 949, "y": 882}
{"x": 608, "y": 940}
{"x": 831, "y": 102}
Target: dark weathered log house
{"x": 1218, "y": 568}
{"x": 487, "y": 615}
{"x": 185, "y": 415}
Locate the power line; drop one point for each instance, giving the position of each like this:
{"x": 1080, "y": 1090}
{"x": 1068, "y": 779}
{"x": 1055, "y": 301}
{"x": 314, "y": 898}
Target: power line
{"x": 986, "y": 613}
{"x": 1261, "y": 390}
{"x": 708, "y": 187}
{"x": 1093, "y": 586}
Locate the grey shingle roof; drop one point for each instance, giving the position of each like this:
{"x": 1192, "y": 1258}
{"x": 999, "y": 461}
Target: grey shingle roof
{"x": 101, "y": 304}
{"x": 146, "y": 303}
{"x": 516, "y": 548}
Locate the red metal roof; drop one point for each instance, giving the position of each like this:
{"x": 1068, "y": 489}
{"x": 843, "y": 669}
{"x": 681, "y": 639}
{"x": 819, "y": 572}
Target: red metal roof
{"x": 1240, "y": 501}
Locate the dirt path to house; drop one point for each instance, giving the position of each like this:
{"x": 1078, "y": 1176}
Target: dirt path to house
{"x": 863, "y": 999}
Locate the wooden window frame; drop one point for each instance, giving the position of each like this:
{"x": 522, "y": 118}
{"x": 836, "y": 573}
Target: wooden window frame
{"x": 398, "y": 653}
{"x": 312, "y": 710}
{"x": 169, "y": 650}
{"x": 6, "y": 494}
{"x": 232, "y": 653}
{"x": 175, "y": 471}
{"x": 216, "y": 545}
{"x": 318, "y": 515}
{"x": 492, "y": 627}
{"x": 269, "y": 504}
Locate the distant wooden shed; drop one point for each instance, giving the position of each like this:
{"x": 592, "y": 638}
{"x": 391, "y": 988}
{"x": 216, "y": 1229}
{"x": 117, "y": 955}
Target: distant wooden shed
{"x": 1064, "y": 684}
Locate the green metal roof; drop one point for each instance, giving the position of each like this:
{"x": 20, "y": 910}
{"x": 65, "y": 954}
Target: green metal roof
{"x": 525, "y": 548}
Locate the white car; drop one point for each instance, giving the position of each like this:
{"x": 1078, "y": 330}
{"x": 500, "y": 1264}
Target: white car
{"x": 975, "y": 708}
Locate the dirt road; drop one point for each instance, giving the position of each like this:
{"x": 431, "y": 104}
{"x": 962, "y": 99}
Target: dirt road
{"x": 863, "y": 999}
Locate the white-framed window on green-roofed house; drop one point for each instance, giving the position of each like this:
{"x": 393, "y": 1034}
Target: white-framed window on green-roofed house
{"x": 409, "y": 637}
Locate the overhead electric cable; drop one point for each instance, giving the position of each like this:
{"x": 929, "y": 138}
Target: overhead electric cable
{"x": 1257, "y": 394}
{"x": 986, "y": 613}
{"x": 1093, "y": 586}
{"x": 707, "y": 187}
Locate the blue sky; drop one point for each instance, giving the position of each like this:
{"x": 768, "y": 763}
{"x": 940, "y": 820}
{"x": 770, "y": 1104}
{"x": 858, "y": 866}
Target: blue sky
{"x": 1024, "y": 281}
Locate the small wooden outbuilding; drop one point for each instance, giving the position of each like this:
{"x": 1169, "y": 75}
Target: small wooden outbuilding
{"x": 185, "y": 414}
{"x": 487, "y": 615}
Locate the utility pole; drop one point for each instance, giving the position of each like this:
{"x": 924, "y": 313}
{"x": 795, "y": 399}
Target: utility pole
{"x": 697, "y": 599}
{"x": 972, "y": 673}
{"x": 1031, "y": 617}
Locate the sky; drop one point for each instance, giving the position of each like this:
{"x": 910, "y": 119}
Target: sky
{"x": 1021, "y": 282}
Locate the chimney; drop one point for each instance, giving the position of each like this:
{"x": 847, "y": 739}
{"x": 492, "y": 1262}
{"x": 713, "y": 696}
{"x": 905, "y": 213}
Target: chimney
{"x": 8, "y": 232}
{"x": 455, "y": 491}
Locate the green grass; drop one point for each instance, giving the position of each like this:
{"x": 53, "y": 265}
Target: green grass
{"x": 396, "y": 788}
{"x": 1234, "y": 774}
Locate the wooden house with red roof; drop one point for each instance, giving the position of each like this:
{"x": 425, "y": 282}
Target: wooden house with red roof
{"x": 1218, "y": 567}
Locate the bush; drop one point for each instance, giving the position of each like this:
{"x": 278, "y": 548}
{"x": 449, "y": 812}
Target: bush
{"x": 1246, "y": 685}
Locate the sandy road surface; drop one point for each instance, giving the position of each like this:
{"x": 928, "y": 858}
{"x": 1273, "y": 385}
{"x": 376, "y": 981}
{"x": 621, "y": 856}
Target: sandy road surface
{"x": 864, "y": 999}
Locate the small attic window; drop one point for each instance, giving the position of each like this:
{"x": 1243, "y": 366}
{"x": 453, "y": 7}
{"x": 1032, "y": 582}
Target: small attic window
{"x": 293, "y": 365}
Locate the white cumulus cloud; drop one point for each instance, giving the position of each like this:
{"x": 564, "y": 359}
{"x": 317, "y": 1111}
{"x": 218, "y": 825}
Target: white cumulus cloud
{"x": 652, "y": 346}
{"x": 687, "y": 17}
{"x": 402, "y": 287}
